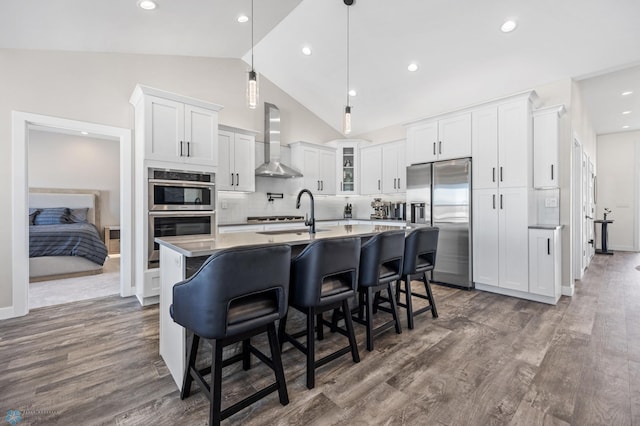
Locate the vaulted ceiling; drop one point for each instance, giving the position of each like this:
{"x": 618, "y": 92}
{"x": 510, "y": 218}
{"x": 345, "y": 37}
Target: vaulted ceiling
{"x": 462, "y": 55}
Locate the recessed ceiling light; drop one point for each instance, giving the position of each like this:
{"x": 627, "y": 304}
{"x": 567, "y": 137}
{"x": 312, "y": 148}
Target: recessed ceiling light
{"x": 147, "y": 4}
{"x": 306, "y": 50}
{"x": 84, "y": 133}
{"x": 508, "y": 26}
{"x": 413, "y": 67}
{"x": 626, "y": 112}
{"x": 627, "y": 93}
{"x": 242, "y": 19}
{"x": 352, "y": 93}
{"x": 625, "y": 127}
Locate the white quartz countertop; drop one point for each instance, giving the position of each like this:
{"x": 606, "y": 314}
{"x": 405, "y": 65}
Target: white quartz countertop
{"x": 193, "y": 246}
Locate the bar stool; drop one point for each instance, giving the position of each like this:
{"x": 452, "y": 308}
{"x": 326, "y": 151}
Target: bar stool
{"x": 419, "y": 258}
{"x": 236, "y": 294}
{"x": 323, "y": 277}
{"x": 380, "y": 265}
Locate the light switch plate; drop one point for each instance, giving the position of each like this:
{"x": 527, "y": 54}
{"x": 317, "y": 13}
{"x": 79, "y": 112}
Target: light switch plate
{"x": 551, "y": 202}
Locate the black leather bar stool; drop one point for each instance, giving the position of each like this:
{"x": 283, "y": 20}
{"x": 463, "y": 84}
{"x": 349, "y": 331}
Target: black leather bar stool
{"x": 323, "y": 277}
{"x": 419, "y": 258}
{"x": 380, "y": 265}
{"x": 236, "y": 294}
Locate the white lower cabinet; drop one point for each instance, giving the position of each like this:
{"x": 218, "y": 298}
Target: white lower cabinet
{"x": 544, "y": 263}
{"x": 500, "y": 249}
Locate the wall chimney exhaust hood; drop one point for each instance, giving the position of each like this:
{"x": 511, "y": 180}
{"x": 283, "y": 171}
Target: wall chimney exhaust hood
{"x": 272, "y": 166}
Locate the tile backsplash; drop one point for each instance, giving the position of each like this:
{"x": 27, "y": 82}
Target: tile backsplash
{"x": 236, "y": 207}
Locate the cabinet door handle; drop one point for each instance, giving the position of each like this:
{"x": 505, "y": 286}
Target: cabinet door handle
{"x": 552, "y": 172}
{"x": 549, "y": 246}
{"x": 237, "y": 179}
{"x": 321, "y": 185}
{"x": 181, "y": 143}
{"x": 434, "y": 148}
{"x": 378, "y": 184}
{"x": 394, "y": 183}
{"x": 501, "y": 208}
{"x": 493, "y": 174}
{"x": 500, "y": 173}
{"x": 232, "y": 181}
{"x": 318, "y": 185}
{"x": 188, "y": 149}
{"x": 494, "y": 201}
{"x": 398, "y": 183}
{"x": 440, "y": 147}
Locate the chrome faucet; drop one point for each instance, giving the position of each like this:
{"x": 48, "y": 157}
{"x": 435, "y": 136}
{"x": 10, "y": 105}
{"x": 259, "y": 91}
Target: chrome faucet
{"x": 311, "y": 222}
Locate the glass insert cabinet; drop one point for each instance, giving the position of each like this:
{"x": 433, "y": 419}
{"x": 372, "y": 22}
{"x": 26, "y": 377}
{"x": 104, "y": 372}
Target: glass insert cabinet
{"x": 347, "y": 167}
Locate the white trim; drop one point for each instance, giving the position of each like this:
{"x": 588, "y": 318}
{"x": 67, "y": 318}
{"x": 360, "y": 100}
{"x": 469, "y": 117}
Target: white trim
{"x": 568, "y": 290}
{"x": 636, "y": 205}
{"x": 6, "y": 313}
{"x": 20, "y": 200}
{"x": 517, "y": 293}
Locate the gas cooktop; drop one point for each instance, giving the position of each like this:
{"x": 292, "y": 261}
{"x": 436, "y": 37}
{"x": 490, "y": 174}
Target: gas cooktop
{"x": 261, "y": 219}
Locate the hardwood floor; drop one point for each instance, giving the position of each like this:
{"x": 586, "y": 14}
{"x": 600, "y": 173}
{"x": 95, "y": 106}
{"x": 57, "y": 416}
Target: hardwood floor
{"x": 487, "y": 359}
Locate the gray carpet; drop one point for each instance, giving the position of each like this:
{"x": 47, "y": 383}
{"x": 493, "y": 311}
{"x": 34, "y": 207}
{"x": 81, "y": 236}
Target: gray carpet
{"x": 56, "y": 292}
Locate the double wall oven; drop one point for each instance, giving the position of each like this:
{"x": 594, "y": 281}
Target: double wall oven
{"x": 180, "y": 203}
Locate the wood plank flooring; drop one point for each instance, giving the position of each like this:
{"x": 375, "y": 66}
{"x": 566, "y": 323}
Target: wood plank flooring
{"x": 488, "y": 359}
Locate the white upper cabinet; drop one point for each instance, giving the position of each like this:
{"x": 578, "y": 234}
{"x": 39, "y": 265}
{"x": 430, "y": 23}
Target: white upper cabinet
{"x": 347, "y": 167}
{"x": 236, "y": 170}
{"x": 318, "y": 166}
{"x": 485, "y": 148}
{"x": 394, "y": 168}
{"x": 546, "y": 128}
{"x": 371, "y": 170}
{"x": 175, "y": 130}
{"x": 502, "y": 145}
{"x": 442, "y": 139}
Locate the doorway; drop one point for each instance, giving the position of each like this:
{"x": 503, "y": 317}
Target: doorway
{"x": 67, "y": 169}
{"x": 21, "y": 123}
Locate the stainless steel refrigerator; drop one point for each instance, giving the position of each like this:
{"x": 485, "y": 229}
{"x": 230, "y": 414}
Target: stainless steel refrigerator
{"x": 439, "y": 194}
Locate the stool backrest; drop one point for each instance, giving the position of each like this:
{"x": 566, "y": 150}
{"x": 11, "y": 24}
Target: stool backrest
{"x": 201, "y": 303}
{"x": 330, "y": 258}
{"x": 381, "y": 256}
{"x": 420, "y": 250}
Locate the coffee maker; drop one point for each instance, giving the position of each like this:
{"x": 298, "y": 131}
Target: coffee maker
{"x": 380, "y": 209}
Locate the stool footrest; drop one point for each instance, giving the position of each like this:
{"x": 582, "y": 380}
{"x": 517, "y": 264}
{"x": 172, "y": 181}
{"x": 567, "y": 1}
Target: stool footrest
{"x": 241, "y": 405}
{"x": 337, "y": 354}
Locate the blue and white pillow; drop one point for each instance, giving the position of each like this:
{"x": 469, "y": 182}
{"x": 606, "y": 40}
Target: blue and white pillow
{"x": 32, "y": 215}
{"x": 79, "y": 215}
{"x": 52, "y": 216}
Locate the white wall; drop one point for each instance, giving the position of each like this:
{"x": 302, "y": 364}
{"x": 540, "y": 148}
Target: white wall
{"x": 59, "y": 160}
{"x": 95, "y": 87}
{"x": 618, "y": 174}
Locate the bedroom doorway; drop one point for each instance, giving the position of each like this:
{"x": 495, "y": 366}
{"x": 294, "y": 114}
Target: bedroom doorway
{"x": 71, "y": 169}
{"x": 22, "y": 124}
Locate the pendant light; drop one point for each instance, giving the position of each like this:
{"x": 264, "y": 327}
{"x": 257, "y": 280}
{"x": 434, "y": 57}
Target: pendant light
{"x": 346, "y": 124}
{"x": 252, "y": 82}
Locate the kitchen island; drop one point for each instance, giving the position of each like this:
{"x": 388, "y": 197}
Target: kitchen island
{"x": 180, "y": 257}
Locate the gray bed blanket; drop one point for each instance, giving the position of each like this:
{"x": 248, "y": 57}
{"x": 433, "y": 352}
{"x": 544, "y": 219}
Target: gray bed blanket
{"x": 72, "y": 239}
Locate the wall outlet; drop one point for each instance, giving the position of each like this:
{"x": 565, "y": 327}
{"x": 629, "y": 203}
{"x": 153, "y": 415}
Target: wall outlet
{"x": 224, "y": 204}
{"x": 551, "y": 202}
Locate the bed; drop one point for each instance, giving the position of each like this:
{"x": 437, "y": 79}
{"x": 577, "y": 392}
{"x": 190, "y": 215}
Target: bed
{"x": 64, "y": 237}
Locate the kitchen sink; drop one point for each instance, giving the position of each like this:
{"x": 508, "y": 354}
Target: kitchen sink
{"x": 289, "y": 231}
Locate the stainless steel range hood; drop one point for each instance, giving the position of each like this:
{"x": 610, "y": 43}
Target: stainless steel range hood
{"x": 272, "y": 166}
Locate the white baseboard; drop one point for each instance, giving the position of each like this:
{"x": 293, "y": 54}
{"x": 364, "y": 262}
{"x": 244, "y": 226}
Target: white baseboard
{"x": 621, "y": 248}
{"x": 6, "y": 313}
{"x": 568, "y": 290}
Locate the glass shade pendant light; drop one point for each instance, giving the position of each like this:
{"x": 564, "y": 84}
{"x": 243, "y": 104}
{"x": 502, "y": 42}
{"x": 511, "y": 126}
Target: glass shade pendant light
{"x": 252, "y": 82}
{"x": 346, "y": 123}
